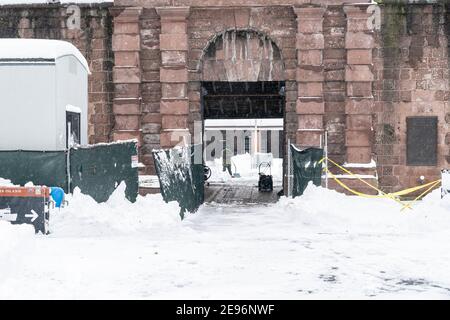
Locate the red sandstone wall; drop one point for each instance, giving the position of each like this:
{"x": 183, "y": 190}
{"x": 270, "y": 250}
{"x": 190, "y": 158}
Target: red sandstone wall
{"x": 411, "y": 62}
{"x": 334, "y": 61}
{"x": 279, "y": 23}
{"x": 150, "y": 58}
{"x": 410, "y": 70}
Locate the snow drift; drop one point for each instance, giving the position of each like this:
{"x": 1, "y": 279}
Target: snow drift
{"x": 318, "y": 210}
{"x": 85, "y": 217}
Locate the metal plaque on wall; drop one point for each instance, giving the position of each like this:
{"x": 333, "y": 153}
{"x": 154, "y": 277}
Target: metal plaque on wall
{"x": 421, "y": 141}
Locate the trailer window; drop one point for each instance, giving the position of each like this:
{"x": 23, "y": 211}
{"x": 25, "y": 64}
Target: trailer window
{"x": 72, "y": 128}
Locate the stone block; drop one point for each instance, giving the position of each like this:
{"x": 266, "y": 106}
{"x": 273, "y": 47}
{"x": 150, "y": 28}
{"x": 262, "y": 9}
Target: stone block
{"x": 174, "y": 27}
{"x": 152, "y": 138}
{"x": 310, "y": 25}
{"x": 307, "y": 138}
{"x": 359, "y": 122}
{"x": 359, "y": 56}
{"x": 358, "y": 73}
{"x": 174, "y": 122}
{"x": 310, "y": 121}
{"x": 126, "y": 58}
{"x": 174, "y": 75}
{"x": 359, "y": 154}
{"x": 359, "y": 25}
{"x": 310, "y": 89}
{"x": 358, "y": 138}
{"x": 358, "y": 40}
{"x": 310, "y": 57}
{"x": 310, "y": 41}
{"x": 127, "y": 135}
{"x": 174, "y": 107}
{"x": 310, "y": 107}
{"x": 174, "y": 90}
{"x": 172, "y": 42}
{"x": 151, "y": 128}
{"x": 170, "y": 58}
{"x": 126, "y": 28}
{"x": 126, "y": 75}
{"x": 242, "y": 18}
{"x": 359, "y": 106}
{"x": 126, "y": 108}
{"x": 308, "y": 74}
{"x": 127, "y": 122}
{"x": 359, "y": 89}
{"x": 126, "y": 42}
{"x": 171, "y": 138}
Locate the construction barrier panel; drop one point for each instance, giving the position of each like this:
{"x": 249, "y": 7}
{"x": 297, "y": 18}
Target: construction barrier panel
{"x": 97, "y": 170}
{"x": 28, "y": 205}
{"x": 306, "y": 167}
{"x": 40, "y": 167}
{"x": 180, "y": 174}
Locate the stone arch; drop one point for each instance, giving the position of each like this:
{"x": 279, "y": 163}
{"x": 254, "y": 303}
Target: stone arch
{"x": 241, "y": 55}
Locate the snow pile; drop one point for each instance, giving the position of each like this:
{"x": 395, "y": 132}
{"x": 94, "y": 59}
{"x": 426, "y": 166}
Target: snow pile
{"x": 5, "y": 183}
{"x": 85, "y": 217}
{"x": 16, "y": 242}
{"x": 322, "y": 210}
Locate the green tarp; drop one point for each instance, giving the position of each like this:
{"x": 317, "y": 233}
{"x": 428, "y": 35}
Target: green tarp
{"x": 97, "y": 170}
{"x": 306, "y": 168}
{"x": 180, "y": 174}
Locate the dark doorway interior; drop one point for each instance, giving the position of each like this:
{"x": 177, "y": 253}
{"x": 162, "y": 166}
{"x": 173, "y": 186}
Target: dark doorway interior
{"x": 256, "y": 108}
{"x": 243, "y": 100}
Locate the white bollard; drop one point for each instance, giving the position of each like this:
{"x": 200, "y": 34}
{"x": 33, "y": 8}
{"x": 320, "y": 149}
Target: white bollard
{"x": 445, "y": 182}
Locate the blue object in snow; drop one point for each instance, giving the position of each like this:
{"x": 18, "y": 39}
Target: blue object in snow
{"x": 57, "y": 195}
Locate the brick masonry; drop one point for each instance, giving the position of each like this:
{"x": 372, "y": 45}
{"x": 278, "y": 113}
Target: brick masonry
{"x": 354, "y": 80}
{"x": 411, "y": 79}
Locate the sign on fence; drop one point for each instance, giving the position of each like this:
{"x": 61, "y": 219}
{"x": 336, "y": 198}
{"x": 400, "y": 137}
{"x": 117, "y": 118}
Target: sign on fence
{"x": 26, "y": 205}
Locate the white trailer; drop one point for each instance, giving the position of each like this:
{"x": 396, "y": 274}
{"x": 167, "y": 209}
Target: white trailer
{"x": 43, "y": 94}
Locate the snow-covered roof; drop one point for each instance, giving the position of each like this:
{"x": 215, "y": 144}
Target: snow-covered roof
{"x": 28, "y": 49}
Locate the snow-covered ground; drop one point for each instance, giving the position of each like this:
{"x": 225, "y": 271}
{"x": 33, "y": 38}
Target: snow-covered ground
{"x": 320, "y": 245}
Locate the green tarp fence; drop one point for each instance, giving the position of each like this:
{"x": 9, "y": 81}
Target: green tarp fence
{"x": 47, "y": 168}
{"x": 306, "y": 168}
{"x": 97, "y": 170}
{"x": 180, "y": 174}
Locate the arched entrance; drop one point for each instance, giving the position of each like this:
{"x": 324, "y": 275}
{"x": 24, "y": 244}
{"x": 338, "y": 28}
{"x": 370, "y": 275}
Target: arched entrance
{"x": 243, "y": 111}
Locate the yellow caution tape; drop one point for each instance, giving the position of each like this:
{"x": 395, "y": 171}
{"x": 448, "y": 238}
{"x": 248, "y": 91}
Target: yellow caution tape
{"x": 394, "y": 195}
